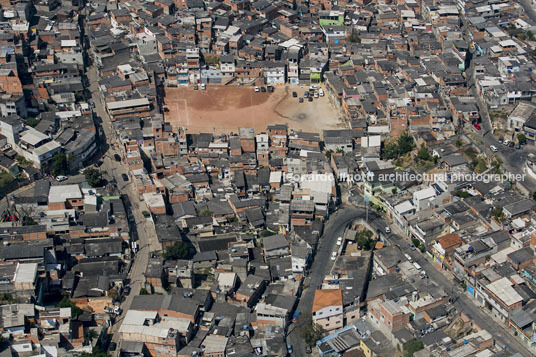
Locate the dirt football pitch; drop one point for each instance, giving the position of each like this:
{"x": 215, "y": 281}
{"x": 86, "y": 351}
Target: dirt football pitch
{"x": 224, "y": 109}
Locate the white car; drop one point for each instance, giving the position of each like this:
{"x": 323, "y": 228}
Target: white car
{"x": 321, "y": 92}
{"x": 257, "y": 89}
{"x": 316, "y": 95}
{"x": 493, "y": 148}
{"x": 339, "y": 241}
{"x": 203, "y": 86}
{"x": 333, "y": 255}
{"x": 387, "y": 230}
{"x": 506, "y": 142}
{"x": 61, "y": 178}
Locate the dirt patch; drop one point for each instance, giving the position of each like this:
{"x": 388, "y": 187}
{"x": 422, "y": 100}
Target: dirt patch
{"x": 224, "y": 109}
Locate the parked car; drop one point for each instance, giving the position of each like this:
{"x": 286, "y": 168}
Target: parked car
{"x": 289, "y": 348}
{"x": 263, "y": 89}
{"x": 308, "y": 349}
{"x": 321, "y": 92}
{"x": 306, "y": 94}
{"x": 301, "y": 100}
{"x": 501, "y": 140}
{"x": 333, "y": 255}
{"x": 477, "y": 126}
{"x": 203, "y": 86}
{"x": 295, "y": 95}
{"x": 387, "y": 230}
{"x": 511, "y": 144}
{"x": 196, "y": 87}
{"x": 506, "y": 142}
{"x": 315, "y": 95}
{"x": 493, "y": 148}
{"x": 113, "y": 346}
{"x": 126, "y": 291}
{"x": 117, "y": 157}
{"x": 270, "y": 89}
{"x": 61, "y": 178}
{"x": 98, "y": 163}
{"x": 310, "y": 99}
{"x": 339, "y": 241}
{"x": 257, "y": 89}
{"x": 518, "y": 146}
{"x": 124, "y": 177}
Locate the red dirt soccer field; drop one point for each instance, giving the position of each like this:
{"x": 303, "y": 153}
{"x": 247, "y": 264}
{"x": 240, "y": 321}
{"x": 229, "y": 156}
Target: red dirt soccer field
{"x": 221, "y": 109}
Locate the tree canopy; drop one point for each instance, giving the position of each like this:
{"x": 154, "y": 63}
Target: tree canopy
{"x": 393, "y": 150}
{"x": 364, "y": 239}
{"x": 179, "y": 250}
{"x": 93, "y": 177}
{"x": 60, "y": 164}
{"x": 309, "y": 331}
{"x": 75, "y": 310}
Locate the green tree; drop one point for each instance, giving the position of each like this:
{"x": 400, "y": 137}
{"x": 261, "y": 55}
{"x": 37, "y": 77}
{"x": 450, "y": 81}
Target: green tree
{"x": 28, "y": 221}
{"x": 31, "y": 121}
{"x": 309, "y": 331}
{"x": 522, "y": 139}
{"x": 416, "y": 242}
{"x": 393, "y": 150}
{"x": 424, "y": 155}
{"x": 530, "y": 35}
{"x": 498, "y": 214}
{"x": 90, "y": 335}
{"x": 463, "y": 194}
{"x": 406, "y": 143}
{"x": 266, "y": 233}
{"x": 354, "y": 37}
{"x": 144, "y": 291}
{"x": 22, "y": 161}
{"x": 179, "y": 250}
{"x": 205, "y": 212}
{"x": 534, "y": 195}
{"x": 458, "y": 143}
{"x": 364, "y": 239}
{"x": 60, "y": 164}
{"x": 411, "y": 347}
{"x": 211, "y": 60}
{"x": 93, "y": 177}
{"x": 479, "y": 165}
{"x": 75, "y": 310}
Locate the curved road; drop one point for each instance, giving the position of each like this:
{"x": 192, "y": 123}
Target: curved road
{"x": 322, "y": 264}
{"x": 337, "y": 224}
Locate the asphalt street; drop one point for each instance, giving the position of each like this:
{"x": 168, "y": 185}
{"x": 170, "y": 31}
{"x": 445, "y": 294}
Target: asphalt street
{"x": 322, "y": 265}
{"x": 143, "y": 228}
{"x": 513, "y": 160}
{"x": 462, "y": 301}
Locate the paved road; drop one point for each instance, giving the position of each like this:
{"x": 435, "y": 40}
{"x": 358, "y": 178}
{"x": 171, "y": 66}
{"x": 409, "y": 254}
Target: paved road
{"x": 513, "y": 160}
{"x": 529, "y": 9}
{"x": 143, "y": 229}
{"x": 322, "y": 265}
{"x": 462, "y": 302}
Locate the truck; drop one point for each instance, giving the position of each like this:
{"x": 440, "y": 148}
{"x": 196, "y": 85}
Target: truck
{"x": 408, "y": 257}
{"x": 417, "y": 266}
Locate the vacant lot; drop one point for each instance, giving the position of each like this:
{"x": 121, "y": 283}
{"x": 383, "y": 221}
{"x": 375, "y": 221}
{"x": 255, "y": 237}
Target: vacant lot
{"x": 224, "y": 109}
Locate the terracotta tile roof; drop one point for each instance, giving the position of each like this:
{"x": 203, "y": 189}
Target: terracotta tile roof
{"x": 327, "y": 297}
{"x": 449, "y": 240}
